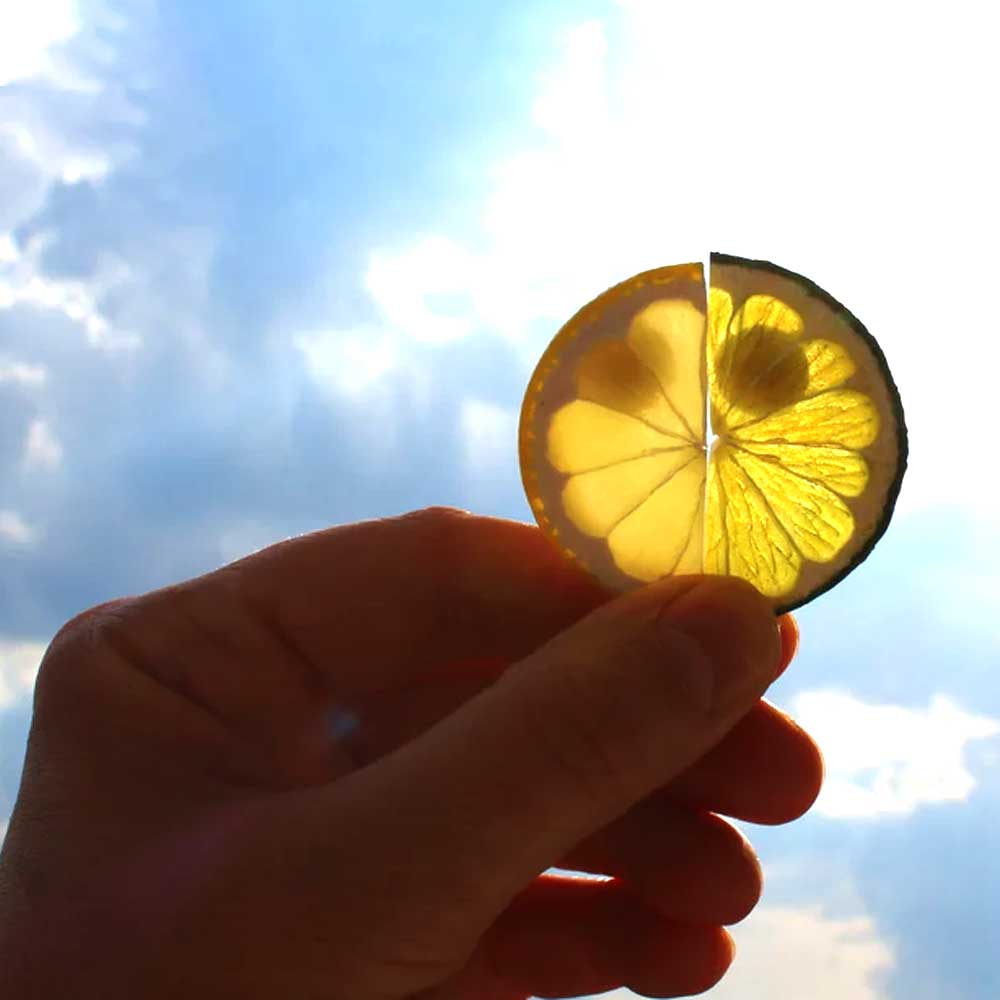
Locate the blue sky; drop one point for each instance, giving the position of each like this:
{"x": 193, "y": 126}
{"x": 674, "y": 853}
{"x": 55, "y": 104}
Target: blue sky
{"x": 266, "y": 267}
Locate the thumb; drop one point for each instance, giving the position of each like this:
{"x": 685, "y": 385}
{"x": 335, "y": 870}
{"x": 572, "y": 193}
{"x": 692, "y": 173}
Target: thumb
{"x": 575, "y": 734}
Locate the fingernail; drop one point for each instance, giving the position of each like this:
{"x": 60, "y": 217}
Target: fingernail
{"x": 735, "y": 627}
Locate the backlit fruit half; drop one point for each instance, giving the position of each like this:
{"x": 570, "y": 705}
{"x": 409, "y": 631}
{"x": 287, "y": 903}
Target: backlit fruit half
{"x": 751, "y": 429}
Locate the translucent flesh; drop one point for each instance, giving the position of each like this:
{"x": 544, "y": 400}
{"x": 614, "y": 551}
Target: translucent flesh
{"x": 788, "y": 440}
{"x": 599, "y": 501}
{"x": 769, "y": 497}
{"x": 668, "y": 338}
{"x": 631, "y": 444}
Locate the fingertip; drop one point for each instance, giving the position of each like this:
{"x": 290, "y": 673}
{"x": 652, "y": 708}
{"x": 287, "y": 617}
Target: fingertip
{"x": 766, "y": 771}
{"x": 801, "y": 790}
{"x": 719, "y": 963}
{"x": 735, "y": 626}
{"x": 710, "y": 950}
{"x": 727, "y": 950}
{"x": 813, "y": 774}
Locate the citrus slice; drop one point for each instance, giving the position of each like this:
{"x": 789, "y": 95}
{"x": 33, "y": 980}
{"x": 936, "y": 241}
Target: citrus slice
{"x": 753, "y": 430}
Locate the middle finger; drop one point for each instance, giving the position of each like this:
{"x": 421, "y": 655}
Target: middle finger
{"x": 765, "y": 770}
{"x": 689, "y": 866}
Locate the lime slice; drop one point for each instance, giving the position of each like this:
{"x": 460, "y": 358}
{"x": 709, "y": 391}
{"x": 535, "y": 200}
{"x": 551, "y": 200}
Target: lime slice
{"x": 753, "y": 431}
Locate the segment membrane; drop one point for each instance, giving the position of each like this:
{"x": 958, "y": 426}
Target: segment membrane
{"x": 767, "y": 312}
{"x": 653, "y": 540}
{"x": 612, "y": 374}
{"x": 669, "y": 338}
{"x": 815, "y": 519}
{"x": 597, "y": 501}
{"x": 842, "y": 470}
{"x": 840, "y": 416}
{"x": 585, "y": 436}
{"x": 829, "y": 365}
{"x": 742, "y": 536}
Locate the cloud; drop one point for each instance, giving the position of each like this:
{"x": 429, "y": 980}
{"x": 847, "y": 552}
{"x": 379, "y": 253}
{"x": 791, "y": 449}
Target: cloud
{"x": 886, "y": 760}
{"x": 30, "y": 32}
{"x": 42, "y": 448}
{"x": 490, "y": 438}
{"x": 19, "y": 661}
{"x": 21, "y": 373}
{"x": 24, "y": 282}
{"x": 14, "y": 528}
{"x": 62, "y": 106}
{"x": 427, "y": 291}
{"x": 347, "y": 362}
{"x": 67, "y": 115}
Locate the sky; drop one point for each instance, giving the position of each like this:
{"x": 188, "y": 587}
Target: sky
{"x": 266, "y": 267}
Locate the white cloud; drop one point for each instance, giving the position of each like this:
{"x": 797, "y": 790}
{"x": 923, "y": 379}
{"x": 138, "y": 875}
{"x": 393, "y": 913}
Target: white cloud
{"x": 50, "y": 122}
{"x": 426, "y": 292}
{"x": 489, "y": 436}
{"x": 41, "y": 447}
{"x": 19, "y": 662}
{"x": 886, "y": 760}
{"x": 30, "y": 30}
{"x": 67, "y": 119}
{"x": 364, "y": 366}
{"x": 23, "y": 283}
{"x": 801, "y": 953}
{"x": 549, "y": 238}
{"x": 574, "y": 95}
{"x": 8, "y": 249}
{"x": 347, "y": 362}
{"x": 13, "y": 528}
{"x": 21, "y": 373}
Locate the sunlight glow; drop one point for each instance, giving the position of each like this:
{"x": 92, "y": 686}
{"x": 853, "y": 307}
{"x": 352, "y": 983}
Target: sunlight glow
{"x": 30, "y": 30}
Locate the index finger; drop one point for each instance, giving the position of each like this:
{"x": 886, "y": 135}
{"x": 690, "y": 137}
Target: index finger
{"x": 376, "y": 602}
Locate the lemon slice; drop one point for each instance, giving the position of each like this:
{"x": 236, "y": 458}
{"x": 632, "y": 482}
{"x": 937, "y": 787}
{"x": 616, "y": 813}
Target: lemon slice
{"x": 753, "y": 431}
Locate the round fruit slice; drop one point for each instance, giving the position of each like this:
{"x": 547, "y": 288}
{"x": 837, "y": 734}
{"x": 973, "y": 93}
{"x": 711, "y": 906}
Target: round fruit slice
{"x": 753, "y": 431}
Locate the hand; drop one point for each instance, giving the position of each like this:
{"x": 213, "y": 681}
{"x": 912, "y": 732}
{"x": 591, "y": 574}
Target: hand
{"x": 337, "y": 768}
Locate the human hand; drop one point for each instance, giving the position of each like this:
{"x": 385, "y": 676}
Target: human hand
{"x": 337, "y": 768}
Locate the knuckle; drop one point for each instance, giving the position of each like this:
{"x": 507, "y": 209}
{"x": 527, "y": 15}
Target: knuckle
{"x": 77, "y": 643}
{"x": 92, "y": 629}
